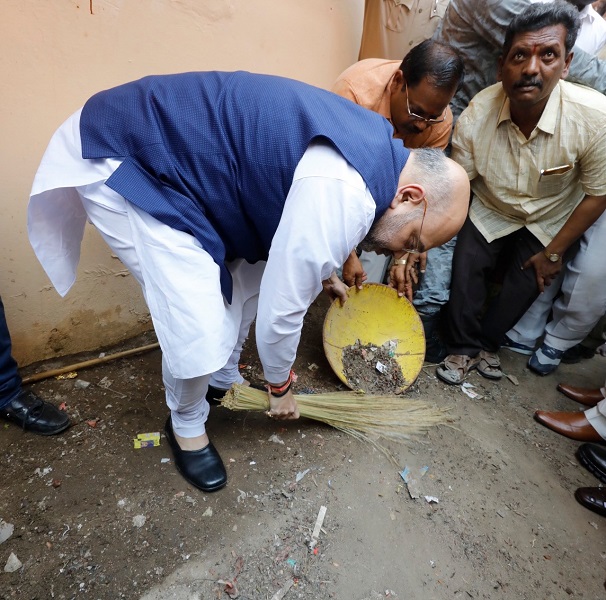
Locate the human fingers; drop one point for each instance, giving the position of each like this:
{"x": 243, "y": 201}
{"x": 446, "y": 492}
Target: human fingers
{"x": 283, "y": 408}
{"x": 422, "y": 262}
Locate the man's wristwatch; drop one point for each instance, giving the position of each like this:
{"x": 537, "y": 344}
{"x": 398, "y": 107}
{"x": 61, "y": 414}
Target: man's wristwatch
{"x": 552, "y": 256}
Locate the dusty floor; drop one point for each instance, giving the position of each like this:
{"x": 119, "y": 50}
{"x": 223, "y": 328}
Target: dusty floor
{"x": 95, "y": 518}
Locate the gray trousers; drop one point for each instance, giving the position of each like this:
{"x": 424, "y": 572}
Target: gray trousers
{"x": 581, "y": 304}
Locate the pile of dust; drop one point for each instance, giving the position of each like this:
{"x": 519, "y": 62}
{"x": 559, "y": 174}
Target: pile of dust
{"x": 373, "y": 369}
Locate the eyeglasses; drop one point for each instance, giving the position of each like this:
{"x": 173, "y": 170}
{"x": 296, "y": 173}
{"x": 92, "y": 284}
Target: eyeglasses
{"x": 417, "y": 249}
{"x": 419, "y": 117}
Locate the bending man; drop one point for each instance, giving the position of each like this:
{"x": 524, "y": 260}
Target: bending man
{"x": 195, "y": 180}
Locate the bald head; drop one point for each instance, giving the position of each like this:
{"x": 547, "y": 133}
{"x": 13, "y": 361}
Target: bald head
{"x": 429, "y": 209}
{"x": 446, "y": 188}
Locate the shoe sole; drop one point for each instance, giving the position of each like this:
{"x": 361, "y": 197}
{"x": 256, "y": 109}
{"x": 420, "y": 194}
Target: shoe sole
{"x": 491, "y": 376}
{"x": 537, "y": 372}
{"x": 54, "y": 432}
{"x": 590, "y": 466}
{"x": 29, "y": 430}
{"x": 204, "y": 489}
{"x": 518, "y": 350}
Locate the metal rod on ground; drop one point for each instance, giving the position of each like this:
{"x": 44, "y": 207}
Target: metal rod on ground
{"x": 88, "y": 363}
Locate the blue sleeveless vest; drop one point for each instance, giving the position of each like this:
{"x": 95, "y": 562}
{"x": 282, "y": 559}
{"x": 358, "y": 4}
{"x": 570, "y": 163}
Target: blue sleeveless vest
{"x": 213, "y": 154}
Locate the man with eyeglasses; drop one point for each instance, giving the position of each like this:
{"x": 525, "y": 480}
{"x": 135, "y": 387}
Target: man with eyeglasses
{"x": 534, "y": 147}
{"x": 413, "y": 95}
{"x": 219, "y": 204}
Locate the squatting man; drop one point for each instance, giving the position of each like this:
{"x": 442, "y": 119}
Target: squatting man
{"x": 230, "y": 195}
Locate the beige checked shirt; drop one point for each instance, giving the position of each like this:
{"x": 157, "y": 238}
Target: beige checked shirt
{"x": 536, "y": 182}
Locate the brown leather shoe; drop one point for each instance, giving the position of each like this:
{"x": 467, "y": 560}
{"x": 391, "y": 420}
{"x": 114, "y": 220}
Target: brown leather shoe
{"x": 592, "y": 498}
{"x": 573, "y": 425}
{"x": 586, "y": 396}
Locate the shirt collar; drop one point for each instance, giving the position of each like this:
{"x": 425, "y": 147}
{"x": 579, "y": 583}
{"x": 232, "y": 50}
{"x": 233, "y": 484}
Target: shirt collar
{"x": 550, "y": 116}
{"x": 588, "y": 13}
{"x": 407, "y": 3}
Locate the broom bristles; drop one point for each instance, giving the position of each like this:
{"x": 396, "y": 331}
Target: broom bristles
{"x": 360, "y": 415}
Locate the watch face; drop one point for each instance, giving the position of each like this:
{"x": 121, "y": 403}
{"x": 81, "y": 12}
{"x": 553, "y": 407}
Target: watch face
{"x": 554, "y": 257}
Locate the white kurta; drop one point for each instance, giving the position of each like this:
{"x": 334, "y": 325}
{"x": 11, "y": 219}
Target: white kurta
{"x": 328, "y": 211}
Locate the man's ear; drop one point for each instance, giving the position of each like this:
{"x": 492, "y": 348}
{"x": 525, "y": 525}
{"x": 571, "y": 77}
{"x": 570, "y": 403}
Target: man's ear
{"x": 567, "y": 66}
{"x": 397, "y": 83}
{"x": 499, "y": 67}
{"x": 411, "y": 192}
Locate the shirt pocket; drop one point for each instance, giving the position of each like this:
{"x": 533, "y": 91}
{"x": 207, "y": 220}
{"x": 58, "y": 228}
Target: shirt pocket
{"x": 553, "y": 184}
{"x": 395, "y": 15}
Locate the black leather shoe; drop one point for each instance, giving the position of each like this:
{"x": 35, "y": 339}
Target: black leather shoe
{"x": 214, "y": 395}
{"x": 33, "y": 414}
{"x": 576, "y": 354}
{"x": 204, "y": 468}
{"x": 593, "y": 458}
{"x": 592, "y": 498}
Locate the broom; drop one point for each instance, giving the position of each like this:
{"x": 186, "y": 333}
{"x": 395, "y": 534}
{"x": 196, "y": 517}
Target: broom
{"x": 363, "y": 416}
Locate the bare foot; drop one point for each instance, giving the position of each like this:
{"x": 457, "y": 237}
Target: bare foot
{"x": 195, "y": 443}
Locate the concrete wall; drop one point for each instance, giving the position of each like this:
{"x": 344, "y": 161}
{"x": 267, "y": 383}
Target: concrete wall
{"x": 54, "y": 54}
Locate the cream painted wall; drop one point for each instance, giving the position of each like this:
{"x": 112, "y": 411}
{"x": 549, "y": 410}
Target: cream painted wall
{"x": 54, "y": 54}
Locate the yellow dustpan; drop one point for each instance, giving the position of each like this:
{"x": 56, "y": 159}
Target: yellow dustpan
{"x": 375, "y": 315}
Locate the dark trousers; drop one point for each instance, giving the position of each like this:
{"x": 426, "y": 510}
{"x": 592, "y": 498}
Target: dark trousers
{"x": 468, "y": 331}
{"x": 10, "y": 381}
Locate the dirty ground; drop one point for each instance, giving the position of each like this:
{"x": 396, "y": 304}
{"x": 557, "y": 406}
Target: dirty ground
{"x": 96, "y": 518}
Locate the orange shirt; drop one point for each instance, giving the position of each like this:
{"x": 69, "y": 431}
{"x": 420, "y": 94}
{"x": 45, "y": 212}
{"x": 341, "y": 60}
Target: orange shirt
{"x": 368, "y": 82}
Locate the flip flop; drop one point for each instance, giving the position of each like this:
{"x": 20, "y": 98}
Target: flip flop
{"x": 489, "y": 365}
{"x": 455, "y": 367}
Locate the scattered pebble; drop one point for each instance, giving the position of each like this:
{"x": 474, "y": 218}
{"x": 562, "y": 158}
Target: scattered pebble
{"x": 301, "y": 474}
{"x": 6, "y": 530}
{"x": 139, "y": 520}
{"x": 12, "y": 564}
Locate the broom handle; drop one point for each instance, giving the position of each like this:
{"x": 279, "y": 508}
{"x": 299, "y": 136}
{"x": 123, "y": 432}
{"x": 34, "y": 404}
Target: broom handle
{"x": 87, "y": 363}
